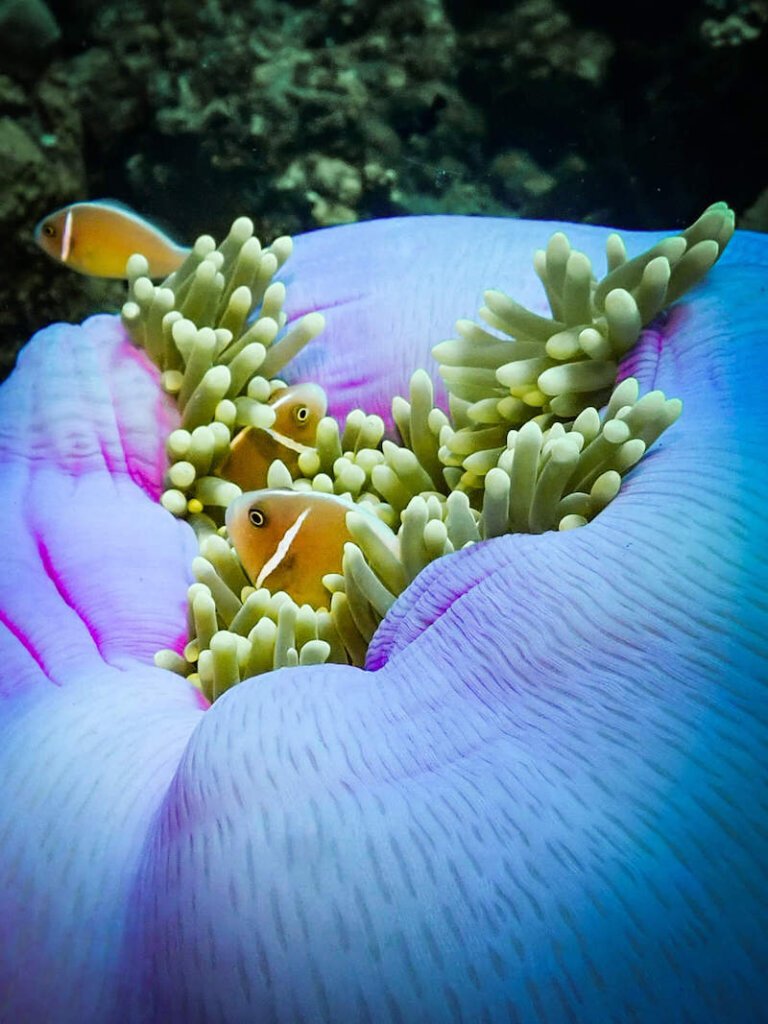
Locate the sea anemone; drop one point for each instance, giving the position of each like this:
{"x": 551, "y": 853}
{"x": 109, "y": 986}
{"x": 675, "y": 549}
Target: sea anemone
{"x": 543, "y": 799}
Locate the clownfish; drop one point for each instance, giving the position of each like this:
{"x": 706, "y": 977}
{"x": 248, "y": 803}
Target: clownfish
{"x": 288, "y": 540}
{"x": 96, "y": 238}
{"x": 298, "y": 410}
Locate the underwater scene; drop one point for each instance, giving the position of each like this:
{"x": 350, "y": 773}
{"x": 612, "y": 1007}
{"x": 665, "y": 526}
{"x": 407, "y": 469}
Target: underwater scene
{"x": 383, "y": 616}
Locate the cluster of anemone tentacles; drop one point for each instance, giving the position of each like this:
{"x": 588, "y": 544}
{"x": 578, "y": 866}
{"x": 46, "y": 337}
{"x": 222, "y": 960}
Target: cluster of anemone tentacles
{"x": 524, "y": 449}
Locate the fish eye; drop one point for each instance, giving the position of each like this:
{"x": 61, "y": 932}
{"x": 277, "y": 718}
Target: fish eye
{"x": 49, "y": 230}
{"x": 301, "y": 414}
{"x": 256, "y": 517}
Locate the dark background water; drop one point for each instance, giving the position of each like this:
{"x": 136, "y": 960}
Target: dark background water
{"x": 312, "y": 113}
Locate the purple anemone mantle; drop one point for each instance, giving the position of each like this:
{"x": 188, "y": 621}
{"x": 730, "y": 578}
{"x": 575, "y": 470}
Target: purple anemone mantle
{"x": 546, "y": 800}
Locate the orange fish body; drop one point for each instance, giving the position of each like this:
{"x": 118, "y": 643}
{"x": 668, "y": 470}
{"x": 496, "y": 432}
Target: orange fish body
{"x": 97, "y": 238}
{"x": 288, "y": 540}
{"x": 298, "y": 410}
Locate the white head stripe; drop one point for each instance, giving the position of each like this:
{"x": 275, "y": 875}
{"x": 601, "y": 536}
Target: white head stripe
{"x": 287, "y": 442}
{"x": 66, "y": 238}
{"x": 282, "y": 548}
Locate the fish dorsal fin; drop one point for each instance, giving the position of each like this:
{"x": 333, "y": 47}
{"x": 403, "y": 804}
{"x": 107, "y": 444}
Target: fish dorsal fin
{"x": 118, "y": 204}
{"x": 162, "y": 228}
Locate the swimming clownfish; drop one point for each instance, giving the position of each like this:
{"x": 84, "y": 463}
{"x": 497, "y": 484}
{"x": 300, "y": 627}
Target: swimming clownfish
{"x": 298, "y": 410}
{"x": 96, "y": 238}
{"x": 288, "y": 540}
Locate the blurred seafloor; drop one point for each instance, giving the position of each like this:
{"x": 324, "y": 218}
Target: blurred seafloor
{"x": 306, "y": 114}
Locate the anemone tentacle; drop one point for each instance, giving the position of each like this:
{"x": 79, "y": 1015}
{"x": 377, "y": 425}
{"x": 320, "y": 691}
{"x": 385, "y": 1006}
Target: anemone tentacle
{"x": 557, "y": 468}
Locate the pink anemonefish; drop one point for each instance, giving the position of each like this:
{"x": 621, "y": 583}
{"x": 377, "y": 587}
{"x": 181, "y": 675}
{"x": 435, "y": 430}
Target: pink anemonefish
{"x": 96, "y": 238}
{"x": 298, "y": 409}
{"x": 288, "y": 540}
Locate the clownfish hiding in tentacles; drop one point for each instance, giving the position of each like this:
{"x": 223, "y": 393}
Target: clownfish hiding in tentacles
{"x": 298, "y": 410}
{"x": 97, "y": 237}
{"x": 288, "y": 540}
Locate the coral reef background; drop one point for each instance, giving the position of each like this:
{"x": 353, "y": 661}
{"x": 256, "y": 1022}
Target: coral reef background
{"x": 308, "y": 114}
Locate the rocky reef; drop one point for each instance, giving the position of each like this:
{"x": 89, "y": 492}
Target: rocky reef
{"x": 306, "y": 115}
